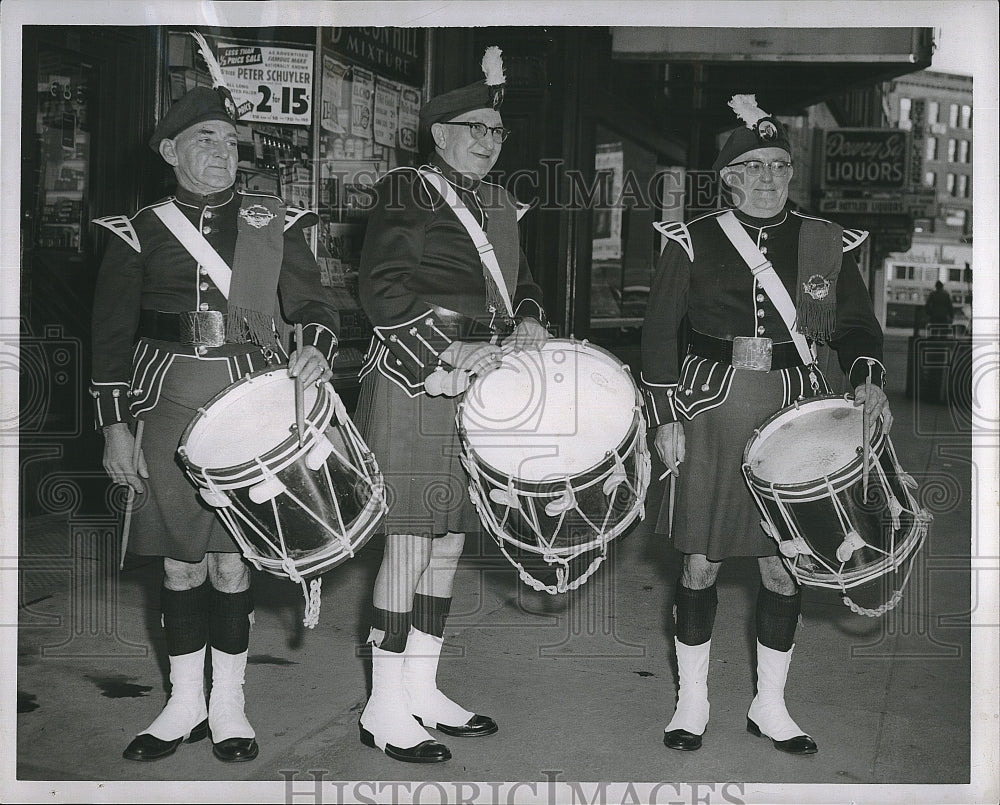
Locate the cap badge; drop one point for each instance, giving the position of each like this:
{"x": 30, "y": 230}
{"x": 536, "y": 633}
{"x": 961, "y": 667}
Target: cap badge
{"x": 766, "y": 130}
{"x": 257, "y": 215}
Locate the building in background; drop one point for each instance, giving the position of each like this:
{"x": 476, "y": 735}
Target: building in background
{"x": 936, "y": 109}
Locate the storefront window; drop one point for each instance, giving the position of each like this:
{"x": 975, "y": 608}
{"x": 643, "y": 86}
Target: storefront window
{"x": 630, "y": 193}
{"x": 62, "y": 126}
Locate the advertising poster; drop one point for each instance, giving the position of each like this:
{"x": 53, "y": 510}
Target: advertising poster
{"x": 386, "y": 120}
{"x": 362, "y": 95}
{"x": 270, "y": 84}
{"x": 409, "y": 109}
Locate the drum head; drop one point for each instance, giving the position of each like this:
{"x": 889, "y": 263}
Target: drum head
{"x": 551, "y": 413}
{"x": 806, "y": 443}
{"x": 246, "y": 420}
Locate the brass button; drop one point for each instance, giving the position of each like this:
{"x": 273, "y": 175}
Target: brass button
{"x": 760, "y": 297}
{"x": 203, "y": 306}
{"x": 760, "y": 314}
{"x": 208, "y": 213}
{"x": 206, "y": 230}
{"x": 201, "y": 350}
{"x": 760, "y": 330}
{"x": 763, "y": 235}
{"x": 203, "y": 271}
{"x": 203, "y": 286}
{"x": 763, "y": 249}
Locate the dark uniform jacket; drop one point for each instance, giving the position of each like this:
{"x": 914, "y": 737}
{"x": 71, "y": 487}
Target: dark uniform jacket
{"x": 421, "y": 275}
{"x": 145, "y": 268}
{"x": 700, "y": 274}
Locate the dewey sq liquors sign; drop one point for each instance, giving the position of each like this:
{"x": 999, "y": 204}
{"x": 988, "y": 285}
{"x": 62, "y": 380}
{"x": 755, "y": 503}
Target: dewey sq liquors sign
{"x": 864, "y": 160}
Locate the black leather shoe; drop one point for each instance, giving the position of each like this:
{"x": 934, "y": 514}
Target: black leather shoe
{"x": 474, "y": 727}
{"x": 799, "y": 745}
{"x": 147, "y": 747}
{"x": 236, "y": 750}
{"x": 682, "y": 739}
{"x": 423, "y": 752}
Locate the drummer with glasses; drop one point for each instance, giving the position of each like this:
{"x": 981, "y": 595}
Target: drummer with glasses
{"x": 444, "y": 281}
{"x": 762, "y": 286}
{"x": 187, "y": 303}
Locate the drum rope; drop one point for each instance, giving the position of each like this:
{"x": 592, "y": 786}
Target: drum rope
{"x": 896, "y": 597}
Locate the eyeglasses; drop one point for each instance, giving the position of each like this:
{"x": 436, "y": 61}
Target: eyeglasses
{"x": 755, "y": 168}
{"x": 500, "y": 134}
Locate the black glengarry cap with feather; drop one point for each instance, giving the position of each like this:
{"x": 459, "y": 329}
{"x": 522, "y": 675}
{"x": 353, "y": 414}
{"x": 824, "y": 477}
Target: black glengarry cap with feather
{"x": 761, "y": 130}
{"x": 486, "y": 94}
{"x": 199, "y": 104}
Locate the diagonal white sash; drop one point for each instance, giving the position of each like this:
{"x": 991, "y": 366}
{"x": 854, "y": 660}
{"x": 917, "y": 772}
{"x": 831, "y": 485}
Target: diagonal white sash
{"x": 200, "y": 249}
{"x": 479, "y": 239}
{"x": 769, "y": 280}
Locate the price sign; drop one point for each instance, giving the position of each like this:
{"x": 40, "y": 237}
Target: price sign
{"x": 269, "y": 84}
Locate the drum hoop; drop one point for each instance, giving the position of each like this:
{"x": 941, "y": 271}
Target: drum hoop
{"x": 849, "y": 471}
{"x": 275, "y": 458}
{"x": 543, "y": 489}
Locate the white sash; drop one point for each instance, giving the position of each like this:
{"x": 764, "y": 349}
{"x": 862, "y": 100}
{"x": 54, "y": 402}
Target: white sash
{"x": 199, "y": 248}
{"x": 479, "y": 239}
{"x": 769, "y": 280}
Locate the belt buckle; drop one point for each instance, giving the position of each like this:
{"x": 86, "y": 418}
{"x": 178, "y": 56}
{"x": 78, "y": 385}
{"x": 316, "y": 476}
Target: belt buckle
{"x": 202, "y": 328}
{"x": 752, "y": 352}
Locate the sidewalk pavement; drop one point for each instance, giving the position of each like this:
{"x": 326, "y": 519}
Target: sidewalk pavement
{"x": 582, "y": 684}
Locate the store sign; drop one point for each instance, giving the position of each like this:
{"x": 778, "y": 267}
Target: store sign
{"x": 389, "y": 52}
{"x": 269, "y": 84}
{"x": 864, "y": 159}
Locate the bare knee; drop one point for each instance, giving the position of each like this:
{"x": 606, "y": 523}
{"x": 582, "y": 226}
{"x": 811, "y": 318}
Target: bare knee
{"x": 699, "y": 571}
{"x": 228, "y": 572}
{"x": 447, "y": 550}
{"x": 178, "y": 575}
{"x": 775, "y": 577}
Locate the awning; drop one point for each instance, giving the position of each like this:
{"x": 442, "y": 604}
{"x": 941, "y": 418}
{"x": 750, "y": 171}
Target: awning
{"x": 788, "y": 69}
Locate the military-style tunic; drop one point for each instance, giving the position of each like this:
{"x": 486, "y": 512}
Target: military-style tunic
{"x": 422, "y": 284}
{"x": 142, "y": 370}
{"x": 702, "y": 276}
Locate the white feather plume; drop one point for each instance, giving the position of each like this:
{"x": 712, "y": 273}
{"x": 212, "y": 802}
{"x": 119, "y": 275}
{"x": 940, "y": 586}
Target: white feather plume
{"x": 218, "y": 79}
{"x": 747, "y": 110}
{"x": 493, "y": 66}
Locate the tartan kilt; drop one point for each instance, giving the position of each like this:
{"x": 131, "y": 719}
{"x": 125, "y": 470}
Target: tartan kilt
{"x": 714, "y": 512}
{"x": 416, "y": 444}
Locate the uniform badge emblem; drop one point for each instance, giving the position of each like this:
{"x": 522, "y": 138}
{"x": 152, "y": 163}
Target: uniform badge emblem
{"x": 817, "y": 287}
{"x": 766, "y": 130}
{"x": 257, "y": 215}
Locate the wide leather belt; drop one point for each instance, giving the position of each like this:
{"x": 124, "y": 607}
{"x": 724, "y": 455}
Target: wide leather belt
{"x": 743, "y": 352}
{"x": 195, "y": 328}
{"x": 462, "y": 327}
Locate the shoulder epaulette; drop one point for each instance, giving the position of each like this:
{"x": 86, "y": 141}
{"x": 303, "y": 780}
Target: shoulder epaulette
{"x": 293, "y": 214}
{"x": 854, "y": 238}
{"x": 676, "y": 231}
{"x": 122, "y": 227}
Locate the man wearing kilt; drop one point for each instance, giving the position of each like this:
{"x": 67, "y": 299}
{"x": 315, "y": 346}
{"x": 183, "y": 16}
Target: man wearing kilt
{"x": 443, "y": 279}
{"x": 187, "y": 303}
{"x": 760, "y": 286}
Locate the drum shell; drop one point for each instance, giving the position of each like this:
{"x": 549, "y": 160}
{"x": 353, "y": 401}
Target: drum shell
{"x": 612, "y": 513}
{"x": 822, "y": 511}
{"x": 322, "y": 503}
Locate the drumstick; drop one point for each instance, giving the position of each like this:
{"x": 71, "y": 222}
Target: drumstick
{"x": 300, "y": 416}
{"x": 866, "y": 448}
{"x": 136, "y": 450}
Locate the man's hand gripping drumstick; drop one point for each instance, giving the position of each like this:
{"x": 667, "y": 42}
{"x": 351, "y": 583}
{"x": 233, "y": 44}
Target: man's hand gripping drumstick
{"x": 669, "y": 444}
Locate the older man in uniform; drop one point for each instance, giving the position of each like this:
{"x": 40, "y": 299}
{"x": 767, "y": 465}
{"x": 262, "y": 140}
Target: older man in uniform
{"x": 187, "y": 303}
{"x": 443, "y": 280}
{"x": 734, "y": 274}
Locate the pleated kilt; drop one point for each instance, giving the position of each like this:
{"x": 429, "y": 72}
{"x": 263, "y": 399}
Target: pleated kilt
{"x": 416, "y": 444}
{"x": 714, "y": 513}
{"x": 170, "y": 518}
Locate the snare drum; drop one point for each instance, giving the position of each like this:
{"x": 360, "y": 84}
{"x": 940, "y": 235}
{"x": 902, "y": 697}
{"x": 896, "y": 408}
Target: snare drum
{"x": 296, "y": 510}
{"x": 804, "y": 468}
{"x": 554, "y": 442}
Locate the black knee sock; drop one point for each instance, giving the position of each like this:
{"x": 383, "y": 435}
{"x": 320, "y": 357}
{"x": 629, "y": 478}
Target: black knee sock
{"x": 695, "y": 614}
{"x": 777, "y": 616}
{"x": 229, "y": 621}
{"x": 185, "y": 618}
{"x": 395, "y": 627}
{"x": 429, "y": 613}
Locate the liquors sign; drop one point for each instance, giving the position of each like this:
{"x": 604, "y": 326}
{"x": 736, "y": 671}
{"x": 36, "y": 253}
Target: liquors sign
{"x": 864, "y": 160}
